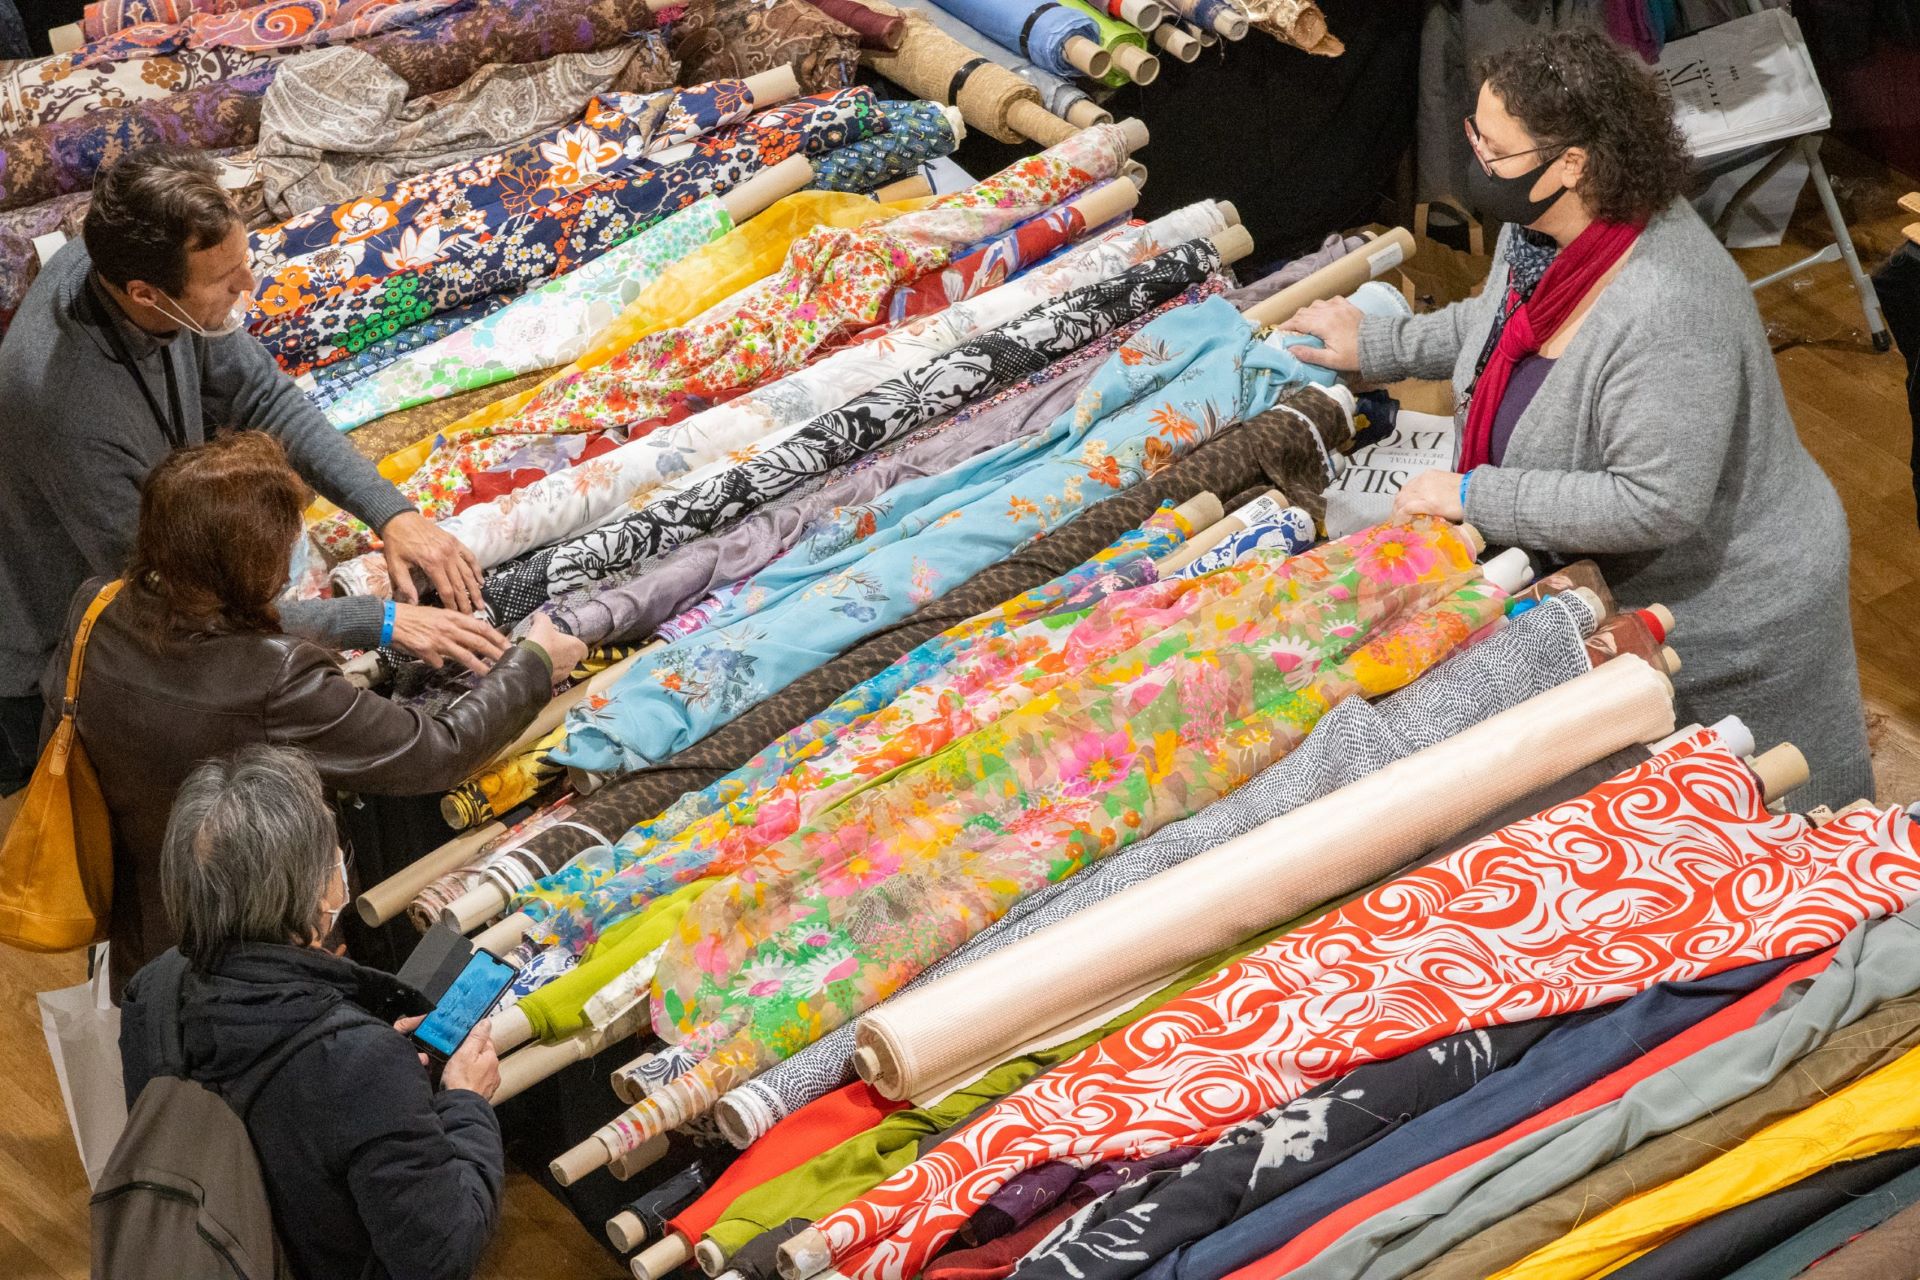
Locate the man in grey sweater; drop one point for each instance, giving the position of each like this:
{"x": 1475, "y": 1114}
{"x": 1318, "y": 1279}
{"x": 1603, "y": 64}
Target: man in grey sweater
{"x": 128, "y": 347}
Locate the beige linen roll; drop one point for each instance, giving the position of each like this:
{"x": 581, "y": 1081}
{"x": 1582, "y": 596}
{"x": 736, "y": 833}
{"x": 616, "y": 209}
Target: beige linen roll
{"x": 972, "y": 1019}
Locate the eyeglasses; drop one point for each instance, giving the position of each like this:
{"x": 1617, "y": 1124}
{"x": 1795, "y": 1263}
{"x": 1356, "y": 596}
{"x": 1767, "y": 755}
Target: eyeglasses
{"x": 1478, "y": 145}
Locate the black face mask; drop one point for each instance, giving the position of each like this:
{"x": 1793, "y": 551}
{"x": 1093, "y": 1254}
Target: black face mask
{"x": 1508, "y": 199}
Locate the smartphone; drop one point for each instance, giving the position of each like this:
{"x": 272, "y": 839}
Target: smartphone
{"x": 470, "y": 998}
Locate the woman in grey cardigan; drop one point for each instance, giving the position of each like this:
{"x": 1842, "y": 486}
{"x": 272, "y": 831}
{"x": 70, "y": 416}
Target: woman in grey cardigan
{"x": 1628, "y": 404}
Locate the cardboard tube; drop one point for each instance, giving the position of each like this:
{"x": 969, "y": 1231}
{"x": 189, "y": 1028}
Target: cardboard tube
{"x": 625, "y": 1231}
{"x": 656, "y": 1260}
{"x": 625, "y": 1080}
{"x": 477, "y": 906}
{"x": 908, "y": 188}
{"x": 1780, "y": 769}
{"x": 504, "y": 935}
{"x": 1135, "y": 172}
{"x": 1086, "y": 57}
{"x": 511, "y": 1029}
{"x": 1087, "y": 113}
{"x": 1337, "y": 278}
{"x": 1671, "y": 658}
{"x": 1201, "y": 510}
{"x": 66, "y": 39}
{"x": 1230, "y": 24}
{"x": 1229, "y": 211}
{"x": 769, "y": 87}
{"x": 803, "y": 1256}
{"x": 1135, "y": 133}
{"x": 577, "y": 1162}
{"x": 640, "y": 1159}
{"x": 1664, "y": 615}
{"x": 1146, "y": 15}
{"x": 522, "y": 1070}
{"x": 1106, "y": 202}
{"x": 1037, "y": 124}
{"x": 710, "y": 1258}
{"x": 1176, "y": 43}
{"x": 554, "y": 713}
{"x": 1136, "y": 65}
{"x": 390, "y": 897}
{"x": 763, "y": 188}
{"x": 1235, "y": 243}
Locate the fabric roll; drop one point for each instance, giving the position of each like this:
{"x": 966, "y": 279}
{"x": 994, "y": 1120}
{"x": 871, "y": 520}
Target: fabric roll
{"x": 589, "y": 394}
{"x": 1059, "y": 94}
{"x": 19, "y": 259}
{"x": 274, "y": 26}
{"x": 329, "y": 385}
{"x": 1887, "y": 1250}
{"x": 722, "y": 39}
{"x": 1447, "y": 1204}
{"x": 1318, "y": 851}
{"x": 104, "y": 17}
{"x": 876, "y": 30}
{"x": 1352, "y": 740}
{"x": 1112, "y": 34}
{"x": 1384, "y": 944}
{"x": 1795, "y": 1255}
{"x": 1291, "y": 531}
{"x": 917, "y": 132}
{"x": 446, "y": 50}
{"x": 931, "y": 64}
{"x": 45, "y": 91}
{"x": 1233, "y": 464}
{"x": 988, "y": 266}
{"x": 337, "y": 123}
{"x": 1035, "y": 29}
{"x": 544, "y": 327}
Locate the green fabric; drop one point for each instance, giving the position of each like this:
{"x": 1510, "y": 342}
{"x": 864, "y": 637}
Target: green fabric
{"x": 558, "y": 1009}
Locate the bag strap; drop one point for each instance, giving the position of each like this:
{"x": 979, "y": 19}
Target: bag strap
{"x": 61, "y": 745}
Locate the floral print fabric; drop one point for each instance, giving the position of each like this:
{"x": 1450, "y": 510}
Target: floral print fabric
{"x": 108, "y": 16}
{"x": 65, "y": 86}
{"x": 272, "y": 26}
{"x": 1225, "y": 674}
{"x": 544, "y": 327}
{"x": 1599, "y": 898}
{"x": 989, "y": 266}
{"x": 917, "y": 132}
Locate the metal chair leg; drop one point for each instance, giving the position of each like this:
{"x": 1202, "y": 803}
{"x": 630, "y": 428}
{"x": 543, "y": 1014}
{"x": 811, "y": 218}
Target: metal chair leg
{"x": 1862, "y": 285}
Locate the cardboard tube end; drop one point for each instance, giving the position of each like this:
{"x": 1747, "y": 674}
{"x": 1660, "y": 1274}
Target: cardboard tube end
{"x": 1086, "y": 57}
{"x": 577, "y": 1162}
{"x": 1664, "y": 615}
{"x": 1087, "y": 113}
{"x": 909, "y": 188}
{"x": 662, "y": 1257}
{"x": 626, "y": 1231}
{"x": 1235, "y": 243}
{"x": 776, "y": 85}
{"x": 1134, "y": 131}
{"x": 1780, "y": 769}
{"x": 866, "y": 1064}
{"x": 710, "y": 1258}
{"x": 1229, "y": 211}
{"x": 476, "y": 906}
{"x": 1230, "y": 25}
{"x": 1136, "y": 65}
{"x": 1671, "y": 658}
{"x": 804, "y": 1256}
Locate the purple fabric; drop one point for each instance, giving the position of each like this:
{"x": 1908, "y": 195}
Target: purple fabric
{"x": 1521, "y": 389}
{"x": 1042, "y": 1187}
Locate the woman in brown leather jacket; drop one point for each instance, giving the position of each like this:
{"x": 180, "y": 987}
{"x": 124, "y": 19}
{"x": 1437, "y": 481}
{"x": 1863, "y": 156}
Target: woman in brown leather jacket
{"x": 189, "y": 663}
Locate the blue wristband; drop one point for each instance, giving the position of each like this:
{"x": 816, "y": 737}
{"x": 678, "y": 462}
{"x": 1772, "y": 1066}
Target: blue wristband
{"x": 386, "y": 624}
{"x": 1463, "y": 494}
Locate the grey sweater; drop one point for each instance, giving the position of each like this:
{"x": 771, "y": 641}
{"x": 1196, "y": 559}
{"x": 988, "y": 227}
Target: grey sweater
{"x": 78, "y": 439}
{"x": 1660, "y": 444}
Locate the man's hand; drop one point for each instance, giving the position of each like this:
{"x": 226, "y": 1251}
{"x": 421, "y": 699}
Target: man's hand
{"x": 411, "y": 541}
{"x": 434, "y": 635}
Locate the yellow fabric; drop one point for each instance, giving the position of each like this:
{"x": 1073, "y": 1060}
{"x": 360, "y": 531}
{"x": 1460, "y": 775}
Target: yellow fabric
{"x": 1876, "y": 1113}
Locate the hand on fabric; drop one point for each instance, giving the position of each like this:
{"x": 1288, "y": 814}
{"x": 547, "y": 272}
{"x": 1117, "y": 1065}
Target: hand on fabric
{"x": 405, "y": 1027}
{"x": 434, "y": 635}
{"x": 566, "y": 651}
{"x": 411, "y": 541}
{"x": 474, "y": 1066}
{"x": 1336, "y": 322}
{"x": 1431, "y": 493}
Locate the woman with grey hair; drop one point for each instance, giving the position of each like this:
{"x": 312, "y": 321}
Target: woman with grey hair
{"x": 370, "y": 1170}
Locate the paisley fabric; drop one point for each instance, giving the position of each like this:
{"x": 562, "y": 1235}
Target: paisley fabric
{"x": 570, "y": 506}
{"x": 1600, "y": 898}
{"x": 544, "y": 327}
{"x": 719, "y": 39}
{"x": 275, "y": 26}
{"x": 339, "y": 123}
{"x": 333, "y": 279}
{"x": 19, "y": 260}
{"x": 917, "y": 132}
{"x": 65, "y": 86}
{"x": 1226, "y": 674}
{"x": 988, "y": 266}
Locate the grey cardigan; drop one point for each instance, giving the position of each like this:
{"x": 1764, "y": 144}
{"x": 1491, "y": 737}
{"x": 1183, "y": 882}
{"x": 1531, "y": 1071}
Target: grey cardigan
{"x": 77, "y": 440}
{"x": 1660, "y": 444}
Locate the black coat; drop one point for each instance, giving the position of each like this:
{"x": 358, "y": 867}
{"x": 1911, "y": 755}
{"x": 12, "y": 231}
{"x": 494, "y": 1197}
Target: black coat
{"x": 371, "y": 1173}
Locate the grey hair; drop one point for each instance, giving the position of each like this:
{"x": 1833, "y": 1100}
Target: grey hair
{"x": 249, "y": 852}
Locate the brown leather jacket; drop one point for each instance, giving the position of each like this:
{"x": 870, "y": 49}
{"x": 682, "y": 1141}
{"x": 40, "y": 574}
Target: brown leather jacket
{"x": 149, "y": 715}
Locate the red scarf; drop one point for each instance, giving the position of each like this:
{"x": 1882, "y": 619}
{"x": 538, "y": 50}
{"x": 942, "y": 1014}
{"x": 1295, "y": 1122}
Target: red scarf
{"x": 1574, "y": 272}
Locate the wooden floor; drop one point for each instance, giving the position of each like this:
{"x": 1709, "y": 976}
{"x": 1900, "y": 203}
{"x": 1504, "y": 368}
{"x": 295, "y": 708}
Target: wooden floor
{"x": 1850, "y": 404}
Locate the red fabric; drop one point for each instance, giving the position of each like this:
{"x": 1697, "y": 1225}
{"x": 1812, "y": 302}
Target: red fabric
{"x": 819, "y": 1126}
{"x": 1573, "y": 274}
{"x": 1735, "y": 1017}
{"x": 485, "y": 486}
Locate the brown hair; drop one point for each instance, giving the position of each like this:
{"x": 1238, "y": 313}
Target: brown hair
{"x": 217, "y": 526}
{"x": 1577, "y": 88}
{"x": 150, "y": 210}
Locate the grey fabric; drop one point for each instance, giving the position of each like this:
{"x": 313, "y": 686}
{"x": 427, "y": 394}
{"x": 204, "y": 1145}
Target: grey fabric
{"x": 337, "y": 122}
{"x": 1660, "y": 444}
{"x": 1331, "y": 250}
{"x": 1878, "y": 961}
{"x": 1354, "y": 739}
{"x": 79, "y": 439}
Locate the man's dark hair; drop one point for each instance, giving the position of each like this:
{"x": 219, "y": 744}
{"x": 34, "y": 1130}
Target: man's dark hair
{"x": 1577, "y": 88}
{"x": 150, "y": 210}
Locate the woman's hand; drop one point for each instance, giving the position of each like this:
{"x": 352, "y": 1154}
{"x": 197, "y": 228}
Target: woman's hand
{"x": 1336, "y": 322}
{"x": 434, "y": 635}
{"x": 474, "y": 1066}
{"x": 411, "y": 541}
{"x": 566, "y": 651}
{"x": 1431, "y": 493}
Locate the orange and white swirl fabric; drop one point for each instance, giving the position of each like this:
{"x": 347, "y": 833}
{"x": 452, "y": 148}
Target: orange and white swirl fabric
{"x": 1668, "y": 872}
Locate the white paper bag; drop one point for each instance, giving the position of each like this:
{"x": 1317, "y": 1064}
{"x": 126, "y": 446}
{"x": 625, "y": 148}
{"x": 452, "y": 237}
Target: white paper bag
{"x": 83, "y": 1036}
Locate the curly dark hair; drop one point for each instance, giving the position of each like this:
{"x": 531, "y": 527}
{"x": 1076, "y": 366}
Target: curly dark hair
{"x": 1577, "y": 88}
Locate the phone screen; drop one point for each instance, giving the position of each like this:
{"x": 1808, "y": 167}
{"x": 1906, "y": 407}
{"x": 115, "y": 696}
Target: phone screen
{"x": 465, "y": 1003}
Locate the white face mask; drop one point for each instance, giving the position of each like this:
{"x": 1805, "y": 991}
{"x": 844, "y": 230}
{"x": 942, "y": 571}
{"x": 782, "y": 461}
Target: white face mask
{"x": 333, "y": 913}
{"x": 235, "y": 318}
